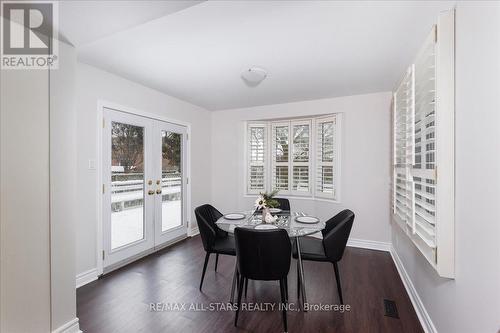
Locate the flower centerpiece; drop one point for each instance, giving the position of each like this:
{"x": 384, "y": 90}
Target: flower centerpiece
{"x": 264, "y": 202}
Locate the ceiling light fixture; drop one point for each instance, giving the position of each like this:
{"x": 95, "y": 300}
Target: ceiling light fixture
{"x": 253, "y": 76}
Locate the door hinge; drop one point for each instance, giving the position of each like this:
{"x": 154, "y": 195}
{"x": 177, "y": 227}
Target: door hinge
{"x": 436, "y": 255}
{"x": 187, "y": 136}
{"x": 103, "y": 188}
{"x": 103, "y": 254}
{"x": 103, "y": 122}
{"x": 435, "y": 34}
{"x": 187, "y": 180}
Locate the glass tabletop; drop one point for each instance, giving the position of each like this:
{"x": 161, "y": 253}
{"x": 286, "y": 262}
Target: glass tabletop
{"x": 285, "y": 220}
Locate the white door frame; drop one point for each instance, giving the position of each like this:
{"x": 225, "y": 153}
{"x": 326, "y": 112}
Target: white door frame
{"x": 101, "y": 105}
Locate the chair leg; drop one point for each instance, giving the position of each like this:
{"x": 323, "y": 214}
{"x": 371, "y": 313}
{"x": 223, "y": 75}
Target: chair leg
{"x": 286, "y": 288}
{"x": 216, "y": 261}
{"x": 283, "y": 303}
{"x": 337, "y": 277}
{"x": 234, "y": 285}
{"x": 246, "y": 287}
{"x": 298, "y": 283}
{"x": 240, "y": 293}
{"x": 204, "y": 269}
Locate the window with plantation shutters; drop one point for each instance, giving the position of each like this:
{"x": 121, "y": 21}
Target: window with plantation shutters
{"x": 280, "y": 156}
{"x": 303, "y": 157}
{"x": 301, "y": 163}
{"x": 423, "y": 146}
{"x": 257, "y": 150}
{"x": 325, "y": 158}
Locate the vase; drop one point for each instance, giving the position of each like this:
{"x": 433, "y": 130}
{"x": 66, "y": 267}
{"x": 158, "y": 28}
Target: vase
{"x": 265, "y": 211}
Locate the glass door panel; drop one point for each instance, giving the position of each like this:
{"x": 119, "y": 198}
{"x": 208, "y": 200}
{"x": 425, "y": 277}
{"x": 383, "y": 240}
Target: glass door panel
{"x": 128, "y": 195}
{"x": 127, "y": 184}
{"x": 171, "y": 180}
{"x": 170, "y": 218}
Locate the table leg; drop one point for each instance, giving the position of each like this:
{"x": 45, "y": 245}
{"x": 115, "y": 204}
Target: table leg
{"x": 234, "y": 283}
{"x": 302, "y": 280}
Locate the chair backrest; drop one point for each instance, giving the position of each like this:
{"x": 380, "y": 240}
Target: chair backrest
{"x": 263, "y": 254}
{"x": 334, "y": 221}
{"x": 335, "y": 240}
{"x": 206, "y": 216}
{"x": 284, "y": 204}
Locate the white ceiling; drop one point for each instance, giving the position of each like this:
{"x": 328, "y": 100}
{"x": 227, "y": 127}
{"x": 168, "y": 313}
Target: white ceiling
{"x": 311, "y": 49}
{"x": 86, "y": 21}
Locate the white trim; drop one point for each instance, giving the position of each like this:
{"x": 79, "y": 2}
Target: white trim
{"x": 418, "y": 305}
{"x": 296, "y": 197}
{"x": 86, "y": 277}
{"x": 363, "y": 243}
{"x": 369, "y": 244}
{"x": 71, "y": 326}
{"x": 193, "y": 232}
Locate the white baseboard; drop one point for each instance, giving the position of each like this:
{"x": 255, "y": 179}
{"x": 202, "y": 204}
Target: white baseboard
{"x": 418, "y": 305}
{"x": 369, "y": 244}
{"x": 363, "y": 243}
{"x": 71, "y": 326}
{"x": 194, "y": 231}
{"x": 86, "y": 277}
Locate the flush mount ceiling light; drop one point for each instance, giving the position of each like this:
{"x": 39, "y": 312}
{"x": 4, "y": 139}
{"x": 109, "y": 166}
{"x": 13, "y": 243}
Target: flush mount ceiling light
{"x": 253, "y": 76}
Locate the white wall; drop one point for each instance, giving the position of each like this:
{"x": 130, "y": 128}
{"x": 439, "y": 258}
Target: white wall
{"x": 24, "y": 202}
{"x": 365, "y": 159}
{"x": 63, "y": 188}
{"x": 94, "y": 84}
{"x": 470, "y": 302}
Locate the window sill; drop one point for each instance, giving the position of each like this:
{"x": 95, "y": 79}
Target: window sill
{"x": 297, "y": 197}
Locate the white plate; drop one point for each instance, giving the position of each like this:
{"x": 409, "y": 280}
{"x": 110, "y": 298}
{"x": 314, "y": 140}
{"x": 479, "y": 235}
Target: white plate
{"x": 307, "y": 219}
{"x": 234, "y": 216}
{"x": 274, "y": 210}
{"x": 265, "y": 227}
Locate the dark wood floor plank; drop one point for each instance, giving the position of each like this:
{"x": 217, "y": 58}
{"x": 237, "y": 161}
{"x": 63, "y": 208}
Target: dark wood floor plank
{"x": 120, "y": 301}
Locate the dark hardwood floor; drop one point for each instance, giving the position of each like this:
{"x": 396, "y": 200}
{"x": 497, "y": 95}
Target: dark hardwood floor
{"x": 120, "y": 301}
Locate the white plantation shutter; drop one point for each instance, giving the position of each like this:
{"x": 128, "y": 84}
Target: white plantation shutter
{"x": 423, "y": 203}
{"x": 423, "y": 170}
{"x": 257, "y": 151}
{"x": 300, "y": 159}
{"x": 326, "y": 133}
{"x": 404, "y": 114}
{"x": 280, "y": 156}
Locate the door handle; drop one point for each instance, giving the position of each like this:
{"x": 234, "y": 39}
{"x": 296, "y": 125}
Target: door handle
{"x": 158, "y": 191}
{"x": 151, "y": 192}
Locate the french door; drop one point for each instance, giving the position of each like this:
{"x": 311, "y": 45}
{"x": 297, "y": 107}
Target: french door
{"x": 144, "y": 187}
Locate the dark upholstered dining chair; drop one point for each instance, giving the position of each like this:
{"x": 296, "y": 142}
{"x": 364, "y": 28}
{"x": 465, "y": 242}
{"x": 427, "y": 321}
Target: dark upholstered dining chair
{"x": 331, "y": 247}
{"x": 263, "y": 255}
{"x": 284, "y": 204}
{"x": 215, "y": 240}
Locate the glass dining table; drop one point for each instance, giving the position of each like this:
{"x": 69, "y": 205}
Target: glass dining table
{"x": 286, "y": 220}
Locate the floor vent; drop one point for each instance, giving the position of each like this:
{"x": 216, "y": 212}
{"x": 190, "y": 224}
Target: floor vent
{"x": 391, "y": 310}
